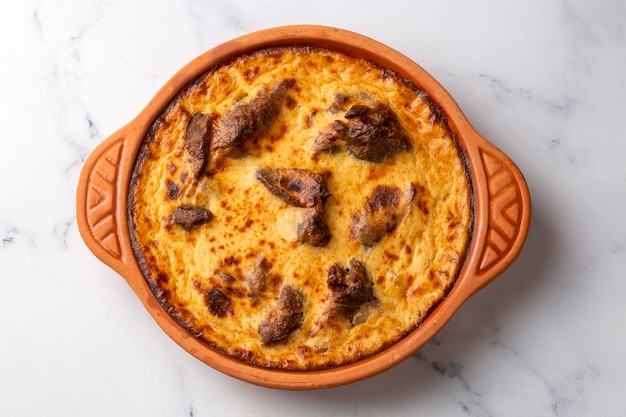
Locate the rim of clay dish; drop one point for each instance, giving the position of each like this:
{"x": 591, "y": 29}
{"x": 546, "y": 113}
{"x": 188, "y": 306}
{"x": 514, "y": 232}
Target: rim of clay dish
{"x": 502, "y": 208}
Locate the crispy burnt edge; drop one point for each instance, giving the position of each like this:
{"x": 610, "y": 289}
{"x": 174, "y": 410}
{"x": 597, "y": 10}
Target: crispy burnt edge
{"x": 179, "y": 314}
{"x": 439, "y": 115}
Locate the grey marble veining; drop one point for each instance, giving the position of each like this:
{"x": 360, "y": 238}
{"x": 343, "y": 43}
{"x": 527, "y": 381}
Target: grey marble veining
{"x": 543, "y": 81}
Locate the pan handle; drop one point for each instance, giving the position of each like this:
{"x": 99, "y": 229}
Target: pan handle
{"x": 101, "y": 201}
{"x": 502, "y": 197}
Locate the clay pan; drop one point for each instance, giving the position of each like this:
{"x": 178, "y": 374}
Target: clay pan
{"x": 502, "y": 207}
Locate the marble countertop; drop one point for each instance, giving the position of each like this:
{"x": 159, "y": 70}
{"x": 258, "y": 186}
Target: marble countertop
{"x": 543, "y": 81}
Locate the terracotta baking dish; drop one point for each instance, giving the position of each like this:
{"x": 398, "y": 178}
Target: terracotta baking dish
{"x": 501, "y": 203}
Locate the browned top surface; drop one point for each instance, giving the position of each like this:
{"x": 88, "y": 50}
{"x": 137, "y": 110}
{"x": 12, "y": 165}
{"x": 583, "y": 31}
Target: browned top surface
{"x": 311, "y": 216}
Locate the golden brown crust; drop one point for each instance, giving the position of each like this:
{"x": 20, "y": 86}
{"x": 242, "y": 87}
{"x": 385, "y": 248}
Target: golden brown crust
{"x": 300, "y": 209}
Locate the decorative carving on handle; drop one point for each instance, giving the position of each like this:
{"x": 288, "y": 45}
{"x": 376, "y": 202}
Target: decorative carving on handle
{"x": 101, "y": 195}
{"x": 505, "y": 210}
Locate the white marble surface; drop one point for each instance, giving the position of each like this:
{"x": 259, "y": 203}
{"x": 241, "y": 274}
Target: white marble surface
{"x": 543, "y": 80}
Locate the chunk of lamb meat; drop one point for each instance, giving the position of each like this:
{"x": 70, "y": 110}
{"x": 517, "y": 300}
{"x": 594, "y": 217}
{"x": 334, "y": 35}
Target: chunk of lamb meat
{"x": 306, "y": 189}
{"x": 298, "y": 187}
{"x": 383, "y": 210}
{"x": 256, "y": 279}
{"x": 330, "y": 138}
{"x": 279, "y": 323}
{"x": 374, "y": 134}
{"x": 370, "y": 134}
{"x": 198, "y": 142}
{"x": 249, "y": 121}
{"x": 188, "y": 216}
{"x": 290, "y": 299}
{"x": 313, "y": 230}
{"x": 277, "y": 326}
{"x": 351, "y": 288}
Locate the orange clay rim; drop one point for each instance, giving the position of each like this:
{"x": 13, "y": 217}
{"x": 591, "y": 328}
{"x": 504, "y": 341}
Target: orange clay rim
{"x": 500, "y": 195}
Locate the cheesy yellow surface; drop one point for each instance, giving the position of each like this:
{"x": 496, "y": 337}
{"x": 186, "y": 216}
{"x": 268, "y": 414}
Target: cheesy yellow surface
{"x": 412, "y": 268}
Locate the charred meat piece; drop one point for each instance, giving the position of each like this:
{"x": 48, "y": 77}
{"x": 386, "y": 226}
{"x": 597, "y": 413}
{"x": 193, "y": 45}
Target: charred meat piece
{"x": 301, "y": 188}
{"x": 350, "y": 288}
{"x": 278, "y": 325}
{"x": 290, "y": 299}
{"x": 173, "y": 190}
{"x": 374, "y": 134}
{"x": 256, "y": 280}
{"x": 198, "y": 142}
{"x": 298, "y": 187}
{"x": 313, "y": 230}
{"x": 330, "y": 138}
{"x": 249, "y": 121}
{"x": 218, "y": 303}
{"x": 188, "y": 216}
{"x": 287, "y": 317}
{"x": 371, "y": 134}
{"x": 383, "y": 210}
